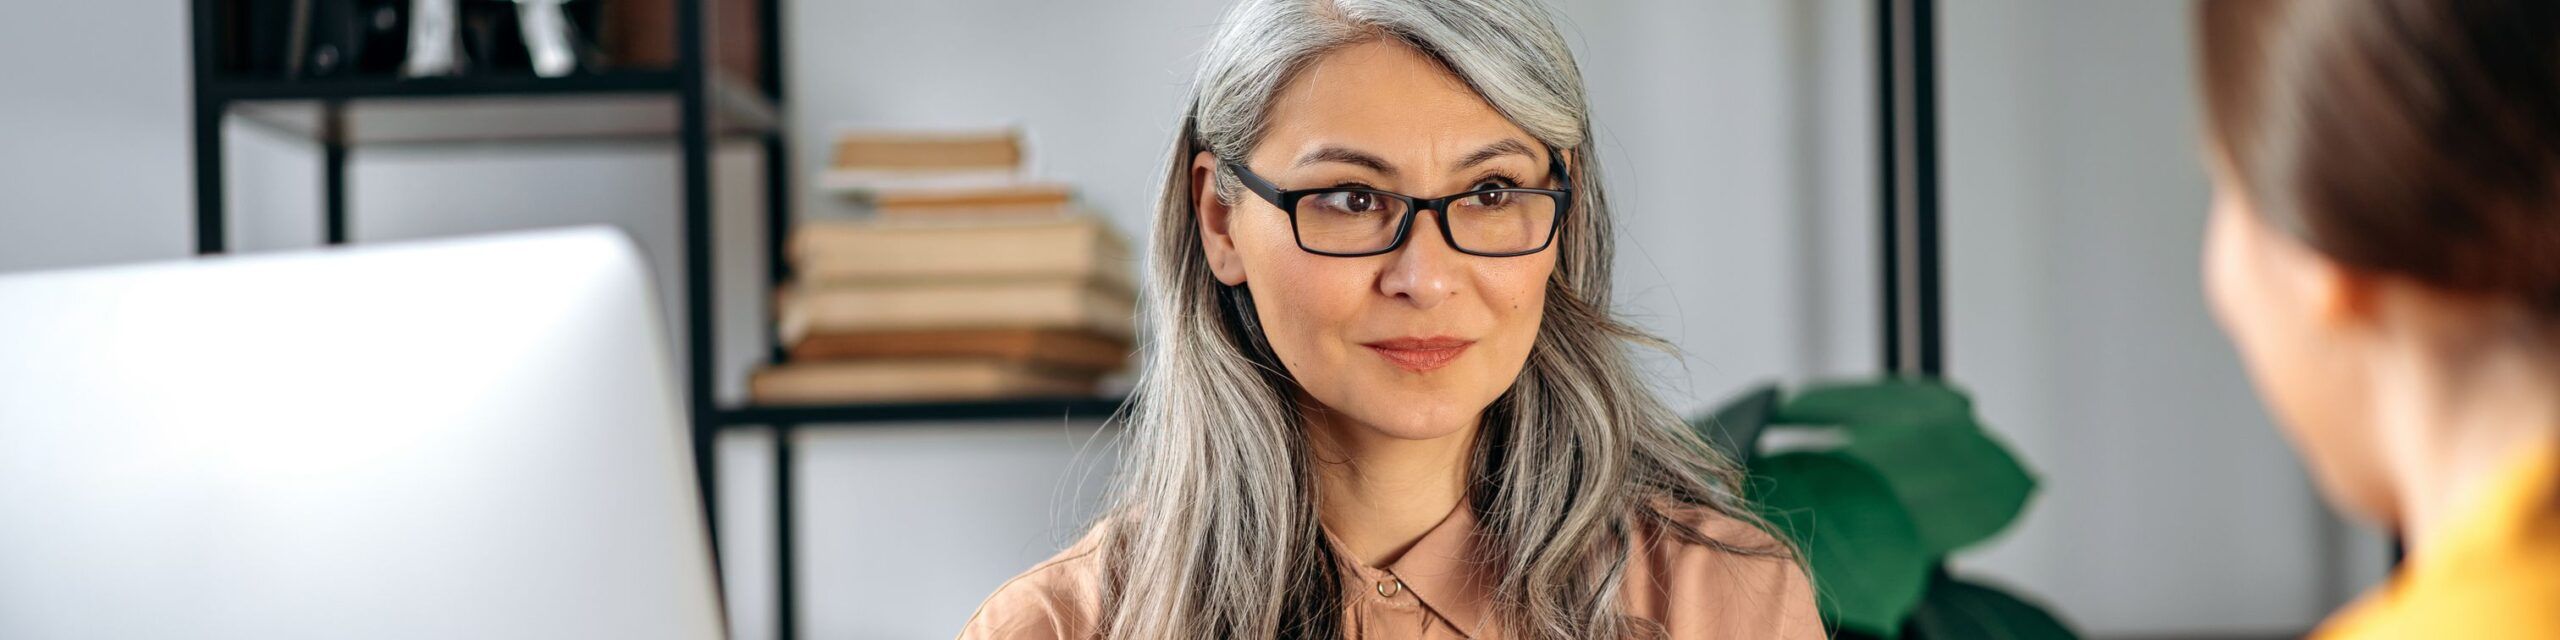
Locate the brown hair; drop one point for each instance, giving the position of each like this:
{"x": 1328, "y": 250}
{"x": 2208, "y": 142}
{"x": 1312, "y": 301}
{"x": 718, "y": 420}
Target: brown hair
{"x": 2419, "y": 138}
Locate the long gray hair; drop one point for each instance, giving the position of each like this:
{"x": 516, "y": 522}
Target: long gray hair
{"x": 1213, "y": 531}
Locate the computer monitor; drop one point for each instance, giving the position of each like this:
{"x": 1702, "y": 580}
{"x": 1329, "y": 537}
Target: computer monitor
{"x": 452, "y": 439}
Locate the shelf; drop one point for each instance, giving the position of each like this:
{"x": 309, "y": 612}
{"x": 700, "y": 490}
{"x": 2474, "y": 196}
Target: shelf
{"x": 606, "y": 106}
{"x": 1024, "y": 409}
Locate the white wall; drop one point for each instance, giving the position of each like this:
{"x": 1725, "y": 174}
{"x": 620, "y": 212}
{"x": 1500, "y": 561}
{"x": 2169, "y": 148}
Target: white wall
{"x": 93, "y": 167}
{"x": 1736, "y": 132}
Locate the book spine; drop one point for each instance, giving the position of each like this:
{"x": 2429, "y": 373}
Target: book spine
{"x": 907, "y": 380}
{"x": 1064, "y": 305}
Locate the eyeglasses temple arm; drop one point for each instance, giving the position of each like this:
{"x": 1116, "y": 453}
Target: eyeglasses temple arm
{"x": 1256, "y": 184}
{"x": 1564, "y": 181}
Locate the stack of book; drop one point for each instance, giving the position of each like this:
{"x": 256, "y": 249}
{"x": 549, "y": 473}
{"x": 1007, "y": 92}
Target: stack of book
{"x": 958, "y": 278}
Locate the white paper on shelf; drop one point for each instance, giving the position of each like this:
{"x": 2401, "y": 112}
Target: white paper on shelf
{"x": 546, "y": 37}
{"x": 431, "y": 39}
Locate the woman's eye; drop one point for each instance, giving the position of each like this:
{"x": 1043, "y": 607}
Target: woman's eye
{"x": 1494, "y": 199}
{"x": 1351, "y": 201}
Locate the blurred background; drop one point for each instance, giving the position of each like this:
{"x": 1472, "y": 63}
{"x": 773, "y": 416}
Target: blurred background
{"x": 1741, "y": 137}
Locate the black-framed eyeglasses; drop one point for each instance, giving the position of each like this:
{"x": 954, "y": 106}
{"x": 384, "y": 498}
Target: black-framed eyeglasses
{"x": 1352, "y": 222}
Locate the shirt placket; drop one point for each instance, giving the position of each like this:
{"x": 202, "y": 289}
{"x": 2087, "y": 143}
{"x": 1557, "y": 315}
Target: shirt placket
{"x": 1385, "y": 607}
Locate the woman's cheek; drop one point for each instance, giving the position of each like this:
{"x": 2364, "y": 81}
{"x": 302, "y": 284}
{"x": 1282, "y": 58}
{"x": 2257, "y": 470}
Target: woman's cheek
{"x": 1300, "y": 315}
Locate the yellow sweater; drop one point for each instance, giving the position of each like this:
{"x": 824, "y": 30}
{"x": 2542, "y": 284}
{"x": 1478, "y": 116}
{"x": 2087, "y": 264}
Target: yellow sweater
{"x": 2494, "y": 574}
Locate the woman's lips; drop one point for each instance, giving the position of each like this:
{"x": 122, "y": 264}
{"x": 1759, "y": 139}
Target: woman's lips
{"x": 1420, "y": 354}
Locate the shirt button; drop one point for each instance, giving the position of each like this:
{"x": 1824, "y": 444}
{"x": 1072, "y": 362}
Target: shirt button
{"x": 1388, "y": 588}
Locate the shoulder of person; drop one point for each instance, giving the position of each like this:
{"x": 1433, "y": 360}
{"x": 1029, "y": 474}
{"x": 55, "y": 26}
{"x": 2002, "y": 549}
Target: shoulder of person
{"x": 1058, "y": 599}
{"x": 1716, "y": 575}
{"x": 1683, "y": 526}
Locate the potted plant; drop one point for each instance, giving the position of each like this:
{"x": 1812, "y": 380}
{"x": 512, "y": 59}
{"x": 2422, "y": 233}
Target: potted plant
{"x": 1877, "y": 482}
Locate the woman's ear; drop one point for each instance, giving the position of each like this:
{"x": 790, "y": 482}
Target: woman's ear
{"x": 1216, "y": 241}
{"x": 2336, "y": 297}
{"x": 2345, "y": 296}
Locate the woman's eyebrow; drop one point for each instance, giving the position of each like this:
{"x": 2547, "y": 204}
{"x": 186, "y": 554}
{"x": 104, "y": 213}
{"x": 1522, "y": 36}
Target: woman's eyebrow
{"x": 1504, "y": 147}
{"x": 1348, "y": 156}
{"x": 1507, "y": 146}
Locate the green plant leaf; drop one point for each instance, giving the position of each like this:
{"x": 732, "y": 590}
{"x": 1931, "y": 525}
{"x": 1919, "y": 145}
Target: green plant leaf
{"x": 1735, "y": 427}
{"x": 1888, "y": 401}
{"x": 1960, "y": 485}
{"x": 1959, "y": 610}
{"x": 1867, "y": 560}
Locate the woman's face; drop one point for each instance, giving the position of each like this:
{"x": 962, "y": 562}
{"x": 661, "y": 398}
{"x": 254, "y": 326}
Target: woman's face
{"x": 2287, "y": 308}
{"x": 1415, "y": 343}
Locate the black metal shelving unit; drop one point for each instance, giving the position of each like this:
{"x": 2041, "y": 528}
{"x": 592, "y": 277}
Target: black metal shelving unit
{"x": 695, "y": 103}
{"x": 1907, "y": 239}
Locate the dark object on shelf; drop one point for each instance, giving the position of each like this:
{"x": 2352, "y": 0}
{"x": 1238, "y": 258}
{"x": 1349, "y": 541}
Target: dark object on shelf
{"x": 310, "y": 39}
{"x": 297, "y": 38}
{"x": 346, "y": 38}
{"x": 256, "y": 33}
{"x": 638, "y": 34}
{"x": 289, "y": 39}
{"x": 381, "y": 36}
{"x": 492, "y": 39}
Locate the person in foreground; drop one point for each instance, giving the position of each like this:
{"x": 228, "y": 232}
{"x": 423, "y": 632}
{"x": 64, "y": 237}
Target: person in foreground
{"x": 2385, "y": 251}
{"x": 1385, "y": 396}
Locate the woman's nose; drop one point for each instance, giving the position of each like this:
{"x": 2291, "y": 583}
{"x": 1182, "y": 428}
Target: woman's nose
{"x": 1426, "y": 270}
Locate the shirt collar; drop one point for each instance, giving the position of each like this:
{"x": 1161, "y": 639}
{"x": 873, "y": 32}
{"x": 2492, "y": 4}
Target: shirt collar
{"x": 1443, "y": 569}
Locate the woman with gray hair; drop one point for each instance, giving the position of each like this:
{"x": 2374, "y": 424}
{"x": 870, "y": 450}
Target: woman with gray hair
{"x": 1385, "y": 396}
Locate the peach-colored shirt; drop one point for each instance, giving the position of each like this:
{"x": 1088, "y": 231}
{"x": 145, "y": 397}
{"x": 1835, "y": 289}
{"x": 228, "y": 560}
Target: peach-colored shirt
{"x": 1432, "y": 592}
